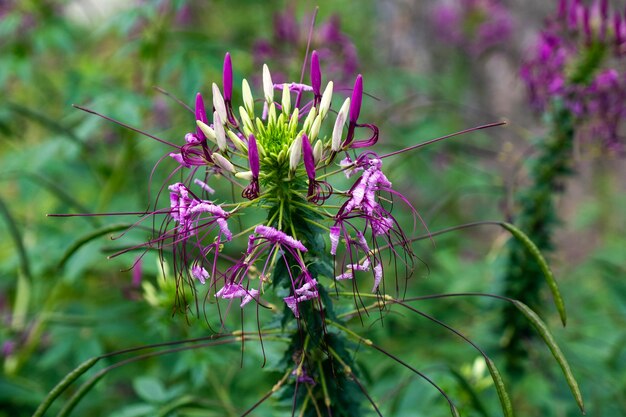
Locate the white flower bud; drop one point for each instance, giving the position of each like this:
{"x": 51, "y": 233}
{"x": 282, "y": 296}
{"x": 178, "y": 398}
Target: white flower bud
{"x": 271, "y": 115}
{"x": 239, "y": 144}
{"x": 218, "y": 103}
{"x": 317, "y": 152}
{"x": 222, "y": 162}
{"x": 309, "y": 119}
{"x": 248, "y": 100}
{"x": 207, "y": 130}
{"x": 286, "y": 101}
{"x": 293, "y": 122}
{"x": 339, "y": 123}
{"x": 244, "y": 175}
{"x": 268, "y": 86}
{"x": 315, "y": 128}
{"x": 326, "y": 99}
{"x": 220, "y": 133}
{"x": 295, "y": 152}
{"x": 245, "y": 119}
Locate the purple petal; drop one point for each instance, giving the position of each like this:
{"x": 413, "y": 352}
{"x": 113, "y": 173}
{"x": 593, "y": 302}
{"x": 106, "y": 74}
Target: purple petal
{"x": 334, "y": 239}
{"x": 199, "y": 273}
{"x": 277, "y": 236}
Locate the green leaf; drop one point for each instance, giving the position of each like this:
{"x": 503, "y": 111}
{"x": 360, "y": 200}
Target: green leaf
{"x": 135, "y": 410}
{"x": 545, "y": 268}
{"x": 545, "y": 334}
{"x": 150, "y": 389}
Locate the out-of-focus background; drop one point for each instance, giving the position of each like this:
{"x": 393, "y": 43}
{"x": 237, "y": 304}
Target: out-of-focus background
{"x": 62, "y": 302}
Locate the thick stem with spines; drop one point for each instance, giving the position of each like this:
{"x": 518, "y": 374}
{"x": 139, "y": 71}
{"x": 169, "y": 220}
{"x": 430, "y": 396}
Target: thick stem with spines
{"x": 538, "y": 218}
{"x": 320, "y": 384}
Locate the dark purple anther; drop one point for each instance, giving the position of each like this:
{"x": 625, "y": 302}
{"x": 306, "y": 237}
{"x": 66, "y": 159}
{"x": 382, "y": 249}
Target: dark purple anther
{"x": 253, "y": 156}
{"x": 307, "y": 156}
{"x": 200, "y": 115}
{"x": 316, "y": 74}
{"x": 355, "y": 101}
{"x": 227, "y": 78}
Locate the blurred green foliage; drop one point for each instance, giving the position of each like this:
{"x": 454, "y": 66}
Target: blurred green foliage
{"x": 56, "y": 159}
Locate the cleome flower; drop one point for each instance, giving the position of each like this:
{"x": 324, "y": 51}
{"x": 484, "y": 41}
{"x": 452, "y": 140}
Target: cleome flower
{"x": 474, "y": 26}
{"x": 286, "y": 153}
{"x": 579, "y": 60}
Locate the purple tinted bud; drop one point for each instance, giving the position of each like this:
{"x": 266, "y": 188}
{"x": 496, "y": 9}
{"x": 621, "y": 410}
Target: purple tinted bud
{"x": 357, "y": 97}
{"x": 604, "y": 9}
{"x": 617, "y": 28}
{"x": 572, "y": 18}
{"x": 562, "y": 8}
{"x": 307, "y": 155}
{"x": 200, "y": 115}
{"x": 253, "y": 156}
{"x": 586, "y": 24}
{"x": 316, "y": 74}
{"x": 227, "y": 78}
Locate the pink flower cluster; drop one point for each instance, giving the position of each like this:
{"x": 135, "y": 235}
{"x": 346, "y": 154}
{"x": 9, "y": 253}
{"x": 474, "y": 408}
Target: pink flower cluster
{"x": 475, "y": 26}
{"x": 578, "y": 59}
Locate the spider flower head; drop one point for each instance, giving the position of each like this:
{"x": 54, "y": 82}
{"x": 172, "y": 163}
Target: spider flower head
{"x": 579, "y": 59}
{"x": 282, "y": 151}
{"x": 475, "y": 26}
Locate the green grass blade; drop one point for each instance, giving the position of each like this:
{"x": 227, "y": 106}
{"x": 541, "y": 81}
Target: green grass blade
{"x": 542, "y": 329}
{"x": 17, "y": 239}
{"x": 545, "y": 268}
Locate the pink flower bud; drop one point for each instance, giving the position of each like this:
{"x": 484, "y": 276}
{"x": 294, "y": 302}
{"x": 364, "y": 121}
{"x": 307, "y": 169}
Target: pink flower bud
{"x": 227, "y": 78}
{"x": 253, "y": 156}
{"x": 357, "y": 97}
{"x": 316, "y": 74}
{"x": 200, "y": 115}
{"x": 307, "y": 156}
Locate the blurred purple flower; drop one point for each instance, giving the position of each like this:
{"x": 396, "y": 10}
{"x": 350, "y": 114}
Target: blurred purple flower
{"x": 578, "y": 59}
{"x": 289, "y": 42}
{"x": 475, "y": 26}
